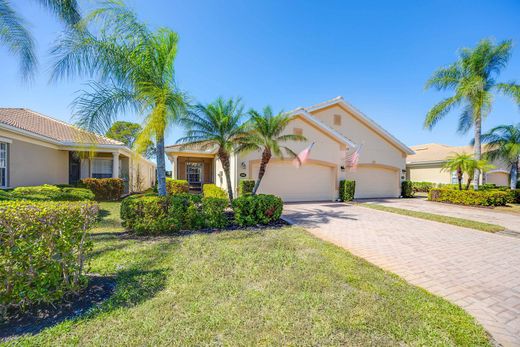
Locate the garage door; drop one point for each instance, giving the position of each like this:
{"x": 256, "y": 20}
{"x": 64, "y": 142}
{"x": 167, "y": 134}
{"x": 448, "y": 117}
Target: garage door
{"x": 498, "y": 178}
{"x": 308, "y": 183}
{"x": 375, "y": 182}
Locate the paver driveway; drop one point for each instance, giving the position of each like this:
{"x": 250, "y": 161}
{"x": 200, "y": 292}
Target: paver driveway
{"x": 476, "y": 270}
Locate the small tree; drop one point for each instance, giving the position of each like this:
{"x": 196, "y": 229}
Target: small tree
{"x": 128, "y": 132}
{"x": 482, "y": 165}
{"x": 459, "y": 162}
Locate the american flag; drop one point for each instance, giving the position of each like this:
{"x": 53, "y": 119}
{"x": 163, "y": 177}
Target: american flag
{"x": 303, "y": 156}
{"x": 352, "y": 159}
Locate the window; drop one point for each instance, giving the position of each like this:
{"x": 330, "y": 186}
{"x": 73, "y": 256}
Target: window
{"x": 298, "y": 131}
{"x": 102, "y": 168}
{"x": 337, "y": 119}
{"x": 194, "y": 172}
{"x": 3, "y": 164}
{"x": 454, "y": 179}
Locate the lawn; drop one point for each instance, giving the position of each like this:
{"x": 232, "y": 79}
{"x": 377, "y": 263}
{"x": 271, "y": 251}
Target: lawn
{"x": 270, "y": 287}
{"x": 461, "y": 222}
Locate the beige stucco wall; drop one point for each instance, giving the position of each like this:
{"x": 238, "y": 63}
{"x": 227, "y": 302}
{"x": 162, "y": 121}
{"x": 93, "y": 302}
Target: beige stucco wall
{"x": 498, "y": 178}
{"x": 146, "y": 174}
{"x": 431, "y": 173}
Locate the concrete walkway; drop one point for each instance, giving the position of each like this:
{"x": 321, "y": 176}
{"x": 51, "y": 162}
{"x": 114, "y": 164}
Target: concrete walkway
{"x": 476, "y": 270}
{"x": 486, "y": 215}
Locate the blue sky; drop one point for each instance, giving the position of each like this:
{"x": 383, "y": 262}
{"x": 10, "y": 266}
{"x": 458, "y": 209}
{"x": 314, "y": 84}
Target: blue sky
{"x": 377, "y": 54}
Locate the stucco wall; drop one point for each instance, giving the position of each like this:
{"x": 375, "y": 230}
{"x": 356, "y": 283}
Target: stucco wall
{"x": 432, "y": 173}
{"x": 146, "y": 174}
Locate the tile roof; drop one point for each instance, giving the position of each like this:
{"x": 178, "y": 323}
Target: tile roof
{"x": 51, "y": 128}
{"x": 435, "y": 152}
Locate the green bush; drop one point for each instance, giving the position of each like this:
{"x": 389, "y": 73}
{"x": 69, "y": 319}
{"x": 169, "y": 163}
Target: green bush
{"x": 43, "y": 189}
{"x": 407, "y": 189}
{"x": 43, "y": 249}
{"x": 422, "y": 187}
{"x": 470, "y": 197}
{"x": 245, "y": 186}
{"x": 257, "y": 209}
{"x": 514, "y": 195}
{"x": 347, "y": 189}
{"x": 105, "y": 189}
{"x": 47, "y": 193}
{"x": 177, "y": 186}
{"x": 213, "y": 210}
{"x": 212, "y": 191}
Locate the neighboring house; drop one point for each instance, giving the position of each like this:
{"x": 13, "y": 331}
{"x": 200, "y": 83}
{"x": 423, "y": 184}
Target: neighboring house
{"x": 336, "y": 128}
{"x": 36, "y": 149}
{"x": 429, "y": 159}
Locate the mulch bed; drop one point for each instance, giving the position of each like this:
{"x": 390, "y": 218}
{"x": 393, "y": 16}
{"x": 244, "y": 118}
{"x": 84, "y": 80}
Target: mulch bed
{"x": 38, "y": 317}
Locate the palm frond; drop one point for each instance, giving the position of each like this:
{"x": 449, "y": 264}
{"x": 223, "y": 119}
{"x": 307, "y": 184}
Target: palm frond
{"x": 438, "y": 111}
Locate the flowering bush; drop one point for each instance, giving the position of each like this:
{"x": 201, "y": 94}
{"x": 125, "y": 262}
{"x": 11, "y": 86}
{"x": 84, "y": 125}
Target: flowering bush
{"x": 105, "y": 189}
{"x": 257, "y": 209}
{"x": 43, "y": 249}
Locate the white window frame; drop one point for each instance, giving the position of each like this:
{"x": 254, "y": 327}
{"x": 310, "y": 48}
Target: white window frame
{"x": 201, "y": 173}
{"x": 4, "y": 147}
{"x": 104, "y": 159}
{"x": 454, "y": 179}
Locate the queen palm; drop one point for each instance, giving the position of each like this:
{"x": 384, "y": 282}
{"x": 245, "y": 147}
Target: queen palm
{"x": 503, "y": 143}
{"x": 216, "y": 125}
{"x": 460, "y": 163}
{"x": 135, "y": 72}
{"x": 265, "y": 134}
{"x": 17, "y": 38}
{"x": 473, "y": 80}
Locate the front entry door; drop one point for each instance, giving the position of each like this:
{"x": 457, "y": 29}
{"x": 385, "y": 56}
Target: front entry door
{"x": 194, "y": 175}
{"x": 74, "y": 168}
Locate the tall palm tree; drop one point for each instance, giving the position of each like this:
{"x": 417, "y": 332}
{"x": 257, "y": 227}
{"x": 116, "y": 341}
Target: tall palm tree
{"x": 216, "y": 125}
{"x": 135, "y": 71}
{"x": 265, "y": 133}
{"x": 503, "y": 143}
{"x": 17, "y": 38}
{"x": 473, "y": 79}
{"x": 459, "y": 162}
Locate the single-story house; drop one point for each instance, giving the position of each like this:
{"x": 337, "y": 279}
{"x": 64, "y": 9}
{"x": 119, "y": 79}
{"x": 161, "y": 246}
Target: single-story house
{"x": 426, "y": 165}
{"x": 336, "y": 128}
{"x": 36, "y": 149}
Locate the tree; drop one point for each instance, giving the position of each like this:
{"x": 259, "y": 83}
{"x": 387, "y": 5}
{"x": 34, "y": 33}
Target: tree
{"x": 135, "y": 72}
{"x": 128, "y": 132}
{"x": 17, "y": 38}
{"x": 460, "y": 163}
{"x": 265, "y": 134}
{"x": 503, "y": 143}
{"x": 473, "y": 79}
{"x": 216, "y": 125}
{"x": 482, "y": 165}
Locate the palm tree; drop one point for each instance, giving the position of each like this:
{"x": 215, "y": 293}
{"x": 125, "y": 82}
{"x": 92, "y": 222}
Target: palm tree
{"x": 216, "y": 125}
{"x": 459, "y": 162}
{"x": 135, "y": 71}
{"x": 265, "y": 133}
{"x": 17, "y": 38}
{"x": 503, "y": 142}
{"x": 482, "y": 165}
{"x": 473, "y": 79}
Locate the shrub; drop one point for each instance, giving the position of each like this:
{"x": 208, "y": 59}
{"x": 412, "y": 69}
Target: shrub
{"x": 213, "y": 210}
{"x": 48, "y": 193}
{"x": 176, "y": 186}
{"x": 347, "y": 189}
{"x": 245, "y": 186}
{"x": 470, "y": 197}
{"x": 105, "y": 189}
{"x": 77, "y": 194}
{"x": 43, "y": 189}
{"x": 44, "y": 245}
{"x": 407, "y": 189}
{"x": 212, "y": 191}
{"x": 514, "y": 195}
{"x": 422, "y": 187}
{"x": 257, "y": 209}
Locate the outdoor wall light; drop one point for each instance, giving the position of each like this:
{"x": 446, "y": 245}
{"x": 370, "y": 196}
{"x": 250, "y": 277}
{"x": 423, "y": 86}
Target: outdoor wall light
{"x": 243, "y": 165}
{"x": 342, "y": 168}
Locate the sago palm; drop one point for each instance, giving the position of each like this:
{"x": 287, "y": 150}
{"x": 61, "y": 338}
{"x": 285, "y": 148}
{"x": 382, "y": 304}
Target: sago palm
{"x": 134, "y": 68}
{"x": 460, "y": 163}
{"x": 216, "y": 125}
{"x": 266, "y": 134}
{"x": 18, "y": 39}
{"x": 473, "y": 80}
{"x": 503, "y": 143}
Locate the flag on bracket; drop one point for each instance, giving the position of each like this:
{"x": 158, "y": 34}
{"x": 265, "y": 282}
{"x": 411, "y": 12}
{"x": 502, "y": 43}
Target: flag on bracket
{"x": 352, "y": 159}
{"x": 302, "y": 157}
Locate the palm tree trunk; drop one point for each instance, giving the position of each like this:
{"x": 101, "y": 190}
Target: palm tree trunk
{"x": 266, "y": 156}
{"x": 513, "y": 175}
{"x": 224, "y": 158}
{"x": 459, "y": 177}
{"x": 468, "y": 184}
{"x": 161, "y": 167}
{"x": 477, "y": 149}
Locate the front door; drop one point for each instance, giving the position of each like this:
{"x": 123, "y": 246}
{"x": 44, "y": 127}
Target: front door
{"x": 74, "y": 168}
{"x": 194, "y": 175}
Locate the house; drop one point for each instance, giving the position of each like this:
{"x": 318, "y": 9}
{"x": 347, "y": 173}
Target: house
{"x": 336, "y": 128}
{"x": 427, "y": 164}
{"x": 36, "y": 149}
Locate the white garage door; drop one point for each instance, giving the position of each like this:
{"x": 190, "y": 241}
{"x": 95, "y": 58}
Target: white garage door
{"x": 375, "y": 182}
{"x": 308, "y": 183}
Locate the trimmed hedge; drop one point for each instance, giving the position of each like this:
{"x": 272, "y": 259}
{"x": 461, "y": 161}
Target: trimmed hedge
{"x": 152, "y": 215}
{"x": 105, "y": 189}
{"x": 422, "y": 187}
{"x": 212, "y": 191}
{"x": 176, "y": 186}
{"x": 515, "y": 195}
{"x": 407, "y": 189}
{"x": 257, "y": 209}
{"x": 246, "y": 186}
{"x": 347, "y": 190}
{"x": 470, "y": 197}
{"x": 43, "y": 249}
{"x": 47, "y": 192}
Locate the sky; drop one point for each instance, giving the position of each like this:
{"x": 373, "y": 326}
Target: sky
{"x": 376, "y": 54}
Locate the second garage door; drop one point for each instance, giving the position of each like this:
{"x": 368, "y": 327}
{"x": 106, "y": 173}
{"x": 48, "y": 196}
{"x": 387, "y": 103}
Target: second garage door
{"x": 375, "y": 182}
{"x": 308, "y": 183}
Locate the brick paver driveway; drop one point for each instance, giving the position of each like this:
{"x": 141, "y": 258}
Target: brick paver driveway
{"x": 476, "y": 270}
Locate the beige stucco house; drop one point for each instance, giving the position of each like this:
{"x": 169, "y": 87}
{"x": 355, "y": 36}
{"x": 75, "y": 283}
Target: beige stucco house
{"x": 426, "y": 165}
{"x": 336, "y": 128}
{"x": 36, "y": 149}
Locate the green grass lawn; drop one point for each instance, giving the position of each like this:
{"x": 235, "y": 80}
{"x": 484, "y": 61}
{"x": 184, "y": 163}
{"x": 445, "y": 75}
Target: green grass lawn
{"x": 466, "y": 223}
{"x": 272, "y": 287}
